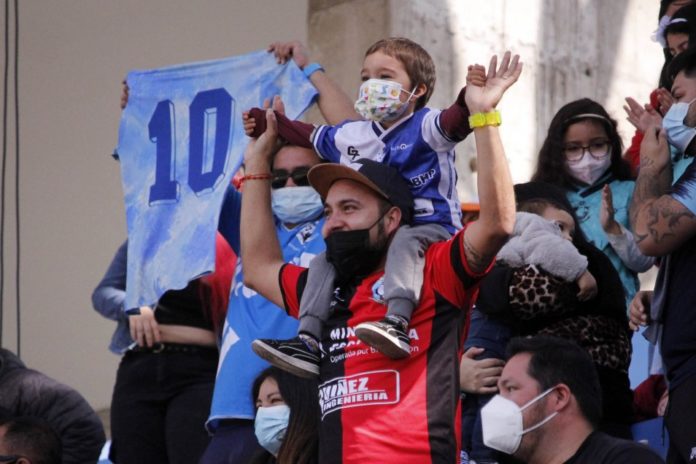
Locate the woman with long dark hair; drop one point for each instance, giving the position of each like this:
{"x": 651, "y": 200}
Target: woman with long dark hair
{"x": 287, "y": 418}
{"x": 582, "y": 156}
{"x": 531, "y": 301}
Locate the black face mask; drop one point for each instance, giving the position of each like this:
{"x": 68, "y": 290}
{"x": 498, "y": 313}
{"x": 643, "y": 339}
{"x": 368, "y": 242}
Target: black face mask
{"x": 351, "y": 253}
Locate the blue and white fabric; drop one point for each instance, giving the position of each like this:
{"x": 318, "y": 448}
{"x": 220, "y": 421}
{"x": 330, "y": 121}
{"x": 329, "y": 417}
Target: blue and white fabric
{"x": 251, "y": 316}
{"x": 181, "y": 139}
{"x": 416, "y": 146}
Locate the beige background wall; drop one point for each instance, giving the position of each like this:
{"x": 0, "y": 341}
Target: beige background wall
{"x": 72, "y": 57}
{"x": 73, "y": 54}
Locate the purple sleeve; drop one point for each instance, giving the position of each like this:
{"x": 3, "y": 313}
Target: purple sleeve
{"x": 294, "y": 132}
{"x": 454, "y": 121}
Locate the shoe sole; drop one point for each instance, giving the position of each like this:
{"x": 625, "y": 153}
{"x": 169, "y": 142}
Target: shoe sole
{"x": 382, "y": 341}
{"x": 286, "y": 362}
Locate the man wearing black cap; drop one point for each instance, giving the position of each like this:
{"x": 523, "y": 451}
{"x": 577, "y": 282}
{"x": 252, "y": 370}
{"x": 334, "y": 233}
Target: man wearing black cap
{"x": 375, "y": 409}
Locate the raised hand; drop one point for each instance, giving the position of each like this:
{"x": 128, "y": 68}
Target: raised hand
{"x": 654, "y": 150}
{"x": 295, "y": 49}
{"x": 664, "y": 101}
{"x": 261, "y": 149}
{"x": 483, "y": 94}
{"x": 250, "y": 123}
{"x": 641, "y": 117}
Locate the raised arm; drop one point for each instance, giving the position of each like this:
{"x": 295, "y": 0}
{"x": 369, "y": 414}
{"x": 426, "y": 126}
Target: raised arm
{"x": 484, "y": 237}
{"x": 661, "y": 223}
{"x": 334, "y": 104}
{"x": 261, "y": 254}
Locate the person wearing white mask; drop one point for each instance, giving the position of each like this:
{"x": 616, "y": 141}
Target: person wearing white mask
{"x": 582, "y": 155}
{"x": 549, "y": 406}
{"x": 287, "y": 418}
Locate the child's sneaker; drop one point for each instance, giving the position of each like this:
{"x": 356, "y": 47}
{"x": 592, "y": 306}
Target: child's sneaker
{"x": 387, "y": 336}
{"x": 293, "y": 355}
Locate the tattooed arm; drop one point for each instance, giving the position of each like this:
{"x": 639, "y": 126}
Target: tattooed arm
{"x": 661, "y": 221}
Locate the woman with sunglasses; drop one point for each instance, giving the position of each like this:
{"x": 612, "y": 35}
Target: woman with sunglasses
{"x": 582, "y": 155}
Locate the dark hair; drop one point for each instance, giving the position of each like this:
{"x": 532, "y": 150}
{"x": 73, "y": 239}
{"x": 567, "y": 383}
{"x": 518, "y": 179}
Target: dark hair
{"x": 300, "y": 445}
{"x": 33, "y": 438}
{"x": 554, "y": 361}
{"x": 688, "y": 27}
{"x": 537, "y": 206}
{"x": 685, "y": 62}
{"x": 418, "y": 63}
{"x": 551, "y": 166}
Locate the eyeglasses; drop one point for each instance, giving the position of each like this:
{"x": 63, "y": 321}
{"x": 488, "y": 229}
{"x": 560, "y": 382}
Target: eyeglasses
{"x": 598, "y": 150}
{"x": 298, "y": 176}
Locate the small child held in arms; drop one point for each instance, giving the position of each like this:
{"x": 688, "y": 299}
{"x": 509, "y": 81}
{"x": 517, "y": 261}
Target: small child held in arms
{"x": 398, "y": 79}
{"x": 542, "y": 237}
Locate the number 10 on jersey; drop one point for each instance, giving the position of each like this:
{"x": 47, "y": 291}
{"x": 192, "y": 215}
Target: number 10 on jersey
{"x": 210, "y": 116}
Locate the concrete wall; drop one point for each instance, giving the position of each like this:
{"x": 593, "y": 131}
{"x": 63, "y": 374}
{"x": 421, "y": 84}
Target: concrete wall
{"x": 73, "y": 54}
{"x": 72, "y": 57}
{"x": 570, "y": 49}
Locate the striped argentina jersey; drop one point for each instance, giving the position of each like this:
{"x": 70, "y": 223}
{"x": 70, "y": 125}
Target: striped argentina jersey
{"x": 416, "y": 146}
{"x": 376, "y": 409}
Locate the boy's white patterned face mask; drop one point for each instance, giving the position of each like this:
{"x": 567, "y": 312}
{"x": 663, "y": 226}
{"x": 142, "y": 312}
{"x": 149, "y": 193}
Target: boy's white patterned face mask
{"x": 379, "y": 100}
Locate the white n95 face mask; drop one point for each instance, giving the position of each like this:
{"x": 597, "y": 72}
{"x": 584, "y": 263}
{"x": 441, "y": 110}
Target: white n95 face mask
{"x": 501, "y": 420}
{"x": 678, "y": 133}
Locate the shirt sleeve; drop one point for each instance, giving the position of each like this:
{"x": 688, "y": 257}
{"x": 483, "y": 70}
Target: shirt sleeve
{"x": 626, "y": 248}
{"x": 324, "y": 141}
{"x": 684, "y": 190}
{"x": 230, "y": 214}
{"x": 450, "y": 272}
{"x": 292, "y": 280}
{"x": 108, "y": 297}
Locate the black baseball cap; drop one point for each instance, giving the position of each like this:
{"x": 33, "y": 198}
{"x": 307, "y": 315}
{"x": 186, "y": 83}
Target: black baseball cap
{"x": 382, "y": 179}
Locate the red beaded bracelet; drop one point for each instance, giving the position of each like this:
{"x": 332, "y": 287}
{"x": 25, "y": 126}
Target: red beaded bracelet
{"x": 256, "y": 177}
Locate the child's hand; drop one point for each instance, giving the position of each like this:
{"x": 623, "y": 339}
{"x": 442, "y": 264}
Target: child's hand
{"x": 249, "y": 124}
{"x": 606, "y": 213}
{"x": 476, "y": 75}
{"x": 482, "y": 97}
{"x": 285, "y": 50}
{"x": 249, "y": 121}
{"x": 588, "y": 286}
{"x": 664, "y": 101}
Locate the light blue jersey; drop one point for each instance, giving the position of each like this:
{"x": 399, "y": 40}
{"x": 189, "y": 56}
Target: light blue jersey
{"x": 587, "y": 202}
{"x": 251, "y": 316}
{"x": 181, "y": 139}
{"x": 416, "y": 146}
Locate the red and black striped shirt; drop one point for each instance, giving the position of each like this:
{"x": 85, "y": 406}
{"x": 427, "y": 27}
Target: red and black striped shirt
{"x": 375, "y": 409}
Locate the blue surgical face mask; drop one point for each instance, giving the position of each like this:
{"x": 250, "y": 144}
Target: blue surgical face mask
{"x": 678, "y": 133}
{"x": 293, "y": 205}
{"x": 270, "y": 426}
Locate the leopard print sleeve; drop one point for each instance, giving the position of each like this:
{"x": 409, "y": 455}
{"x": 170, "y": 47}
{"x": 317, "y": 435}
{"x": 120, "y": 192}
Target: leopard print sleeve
{"x": 535, "y": 294}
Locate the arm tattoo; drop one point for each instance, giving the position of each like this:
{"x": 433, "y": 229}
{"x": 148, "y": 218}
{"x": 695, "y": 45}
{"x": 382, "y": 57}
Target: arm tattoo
{"x": 650, "y": 185}
{"x": 478, "y": 262}
{"x": 662, "y": 221}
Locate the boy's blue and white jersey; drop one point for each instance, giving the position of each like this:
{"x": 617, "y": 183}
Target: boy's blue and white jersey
{"x": 416, "y": 146}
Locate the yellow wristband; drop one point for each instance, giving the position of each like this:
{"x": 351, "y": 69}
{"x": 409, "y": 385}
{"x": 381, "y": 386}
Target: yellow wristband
{"x": 485, "y": 119}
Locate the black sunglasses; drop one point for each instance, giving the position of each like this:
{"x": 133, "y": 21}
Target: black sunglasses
{"x": 298, "y": 176}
